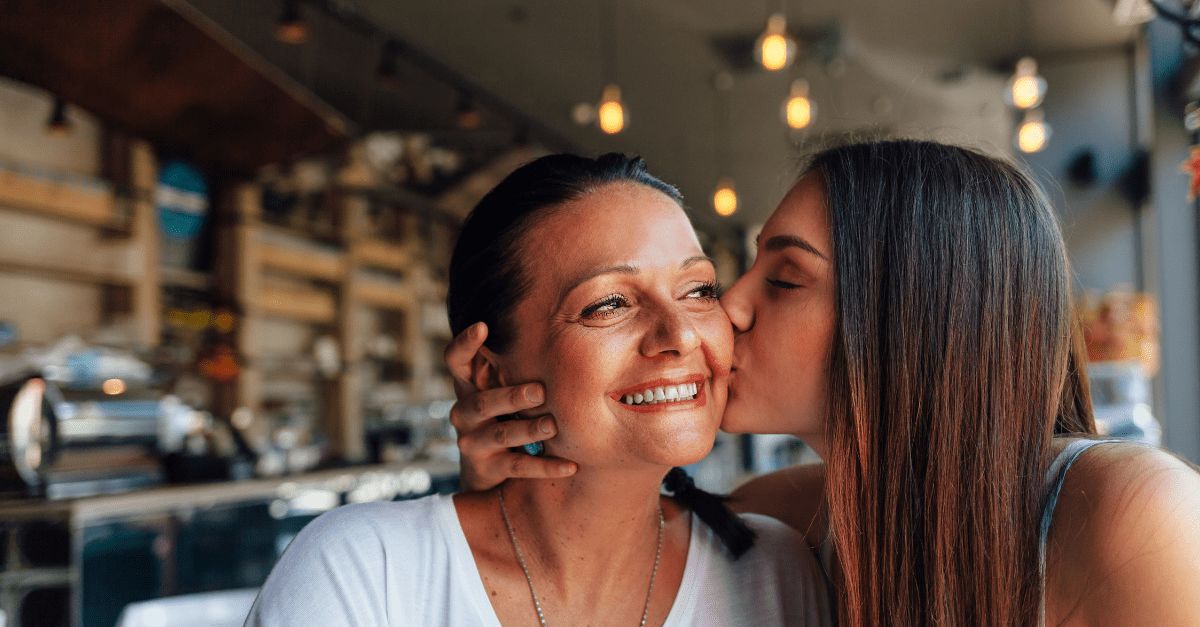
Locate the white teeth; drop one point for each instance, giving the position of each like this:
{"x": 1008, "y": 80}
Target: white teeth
{"x": 664, "y": 394}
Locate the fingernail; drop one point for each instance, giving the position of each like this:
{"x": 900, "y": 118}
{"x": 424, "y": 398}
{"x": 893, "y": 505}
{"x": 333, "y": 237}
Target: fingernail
{"x": 535, "y": 394}
{"x": 476, "y": 329}
{"x": 566, "y": 469}
{"x": 546, "y": 425}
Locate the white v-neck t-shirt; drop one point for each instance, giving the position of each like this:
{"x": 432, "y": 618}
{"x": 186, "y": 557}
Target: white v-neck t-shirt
{"x": 408, "y": 563}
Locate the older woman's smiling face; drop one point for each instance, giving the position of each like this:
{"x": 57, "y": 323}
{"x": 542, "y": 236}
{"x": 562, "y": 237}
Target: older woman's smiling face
{"x": 622, "y": 306}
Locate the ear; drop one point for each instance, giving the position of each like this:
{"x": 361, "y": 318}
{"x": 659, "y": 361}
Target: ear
{"x": 485, "y": 370}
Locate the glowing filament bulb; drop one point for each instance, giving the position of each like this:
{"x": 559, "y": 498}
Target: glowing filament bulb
{"x": 1026, "y": 89}
{"x": 1033, "y": 134}
{"x": 799, "y": 110}
{"x": 725, "y": 200}
{"x": 611, "y": 113}
{"x": 774, "y": 50}
{"x": 113, "y": 387}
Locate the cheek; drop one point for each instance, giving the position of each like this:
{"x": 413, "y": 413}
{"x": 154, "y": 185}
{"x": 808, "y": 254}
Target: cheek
{"x": 717, "y": 341}
{"x": 784, "y": 384}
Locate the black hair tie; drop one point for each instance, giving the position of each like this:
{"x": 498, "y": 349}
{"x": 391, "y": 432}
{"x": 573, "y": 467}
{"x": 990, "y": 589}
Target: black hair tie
{"x": 710, "y": 508}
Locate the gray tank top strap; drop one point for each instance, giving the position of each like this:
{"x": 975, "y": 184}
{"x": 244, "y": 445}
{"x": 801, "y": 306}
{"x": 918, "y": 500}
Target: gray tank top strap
{"x": 1056, "y": 476}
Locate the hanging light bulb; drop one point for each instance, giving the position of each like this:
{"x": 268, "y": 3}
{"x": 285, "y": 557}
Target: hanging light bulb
{"x": 1026, "y": 89}
{"x": 291, "y": 28}
{"x": 799, "y": 110}
{"x": 57, "y": 124}
{"x": 467, "y": 115}
{"x": 774, "y": 49}
{"x": 388, "y": 71}
{"x": 725, "y": 200}
{"x": 1033, "y": 133}
{"x": 1133, "y": 12}
{"x": 611, "y": 112}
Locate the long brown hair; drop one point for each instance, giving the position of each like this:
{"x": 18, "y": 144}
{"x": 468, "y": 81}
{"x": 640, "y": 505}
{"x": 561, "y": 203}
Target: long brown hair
{"x": 954, "y": 362}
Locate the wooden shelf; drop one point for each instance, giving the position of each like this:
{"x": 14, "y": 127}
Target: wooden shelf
{"x": 67, "y": 271}
{"x": 181, "y": 277}
{"x": 71, "y": 202}
{"x": 302, "y": 304}
{"x": 306, "y": 262}
{"x": 391, "y": 295}
{"x": 379, "y": 254}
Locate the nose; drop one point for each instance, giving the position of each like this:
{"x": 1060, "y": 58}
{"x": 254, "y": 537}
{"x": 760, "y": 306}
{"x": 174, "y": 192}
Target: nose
{"x": 673, "y": 331}
{"x": 737, "y": 304}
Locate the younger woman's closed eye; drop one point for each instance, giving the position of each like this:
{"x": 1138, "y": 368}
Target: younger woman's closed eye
{"x": 783, "y": 285}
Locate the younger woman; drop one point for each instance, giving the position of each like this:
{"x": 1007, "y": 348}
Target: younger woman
{"x": 909, "y": 317}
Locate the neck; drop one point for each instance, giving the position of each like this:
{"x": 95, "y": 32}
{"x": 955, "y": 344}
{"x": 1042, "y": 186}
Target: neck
{"x": 593, "y": 524}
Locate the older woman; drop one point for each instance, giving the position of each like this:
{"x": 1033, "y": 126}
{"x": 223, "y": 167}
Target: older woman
{"x": 591, "y": 280}
{"x": 909, "y": 316}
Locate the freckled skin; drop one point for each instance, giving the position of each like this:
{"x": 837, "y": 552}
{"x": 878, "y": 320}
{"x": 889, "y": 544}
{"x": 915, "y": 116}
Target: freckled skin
{"x": 662, "y": 329}
{"x": 610, "y": 333}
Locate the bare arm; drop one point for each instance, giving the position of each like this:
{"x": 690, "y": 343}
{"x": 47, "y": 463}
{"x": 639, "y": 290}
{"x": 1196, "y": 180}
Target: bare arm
{"x": 485, "y": 441}
{"x": 1126, "y": 549}
{"x": 794, "y": 495}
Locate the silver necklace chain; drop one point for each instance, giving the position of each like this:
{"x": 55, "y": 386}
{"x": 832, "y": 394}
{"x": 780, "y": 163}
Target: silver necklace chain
{"x": 537, "y": 605}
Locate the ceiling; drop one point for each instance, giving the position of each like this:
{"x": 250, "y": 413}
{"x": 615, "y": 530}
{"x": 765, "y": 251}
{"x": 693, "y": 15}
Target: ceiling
{"x": 930, "y": 68}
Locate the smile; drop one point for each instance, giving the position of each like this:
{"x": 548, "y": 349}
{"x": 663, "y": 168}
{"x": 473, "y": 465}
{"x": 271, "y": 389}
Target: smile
{"x": 663, "y": 393}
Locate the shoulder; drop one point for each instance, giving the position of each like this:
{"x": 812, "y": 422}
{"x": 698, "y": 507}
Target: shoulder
{"x": 793, "y": 495}
{"x": 1125, "y": 542}
{"x": 779, "y": 553}
{"x": 370, "y": 525}
{"x": 335, "y": 570}
{"x": 779, "y": 576}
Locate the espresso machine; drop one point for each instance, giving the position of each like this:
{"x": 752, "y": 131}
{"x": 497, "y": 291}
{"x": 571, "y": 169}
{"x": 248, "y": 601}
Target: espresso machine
{"x": 69, "y": 440}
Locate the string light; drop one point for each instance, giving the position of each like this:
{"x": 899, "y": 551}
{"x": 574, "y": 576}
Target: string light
{"x": 774, "y": 49}
{"x": 58, "y": 125}
{"x": 611, "y": 112}
{"x": 1033, "y": 133}
{"x": 799, "y": 110}
{"x": 725, "y": 200}
{"x": 291, "y": 28}
{"x": 1026, "y": 89}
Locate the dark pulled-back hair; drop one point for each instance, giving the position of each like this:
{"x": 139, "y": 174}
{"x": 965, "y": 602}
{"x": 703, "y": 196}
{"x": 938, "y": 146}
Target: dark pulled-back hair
{"x": 955, "y": 359}
{"x": 486, "y": 260}
{"x": 488, "y": 278}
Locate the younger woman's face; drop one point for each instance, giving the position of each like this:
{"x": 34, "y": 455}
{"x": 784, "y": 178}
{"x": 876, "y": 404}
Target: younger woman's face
{"x": 783, "y": 314}
{"x": 622, "y": 306}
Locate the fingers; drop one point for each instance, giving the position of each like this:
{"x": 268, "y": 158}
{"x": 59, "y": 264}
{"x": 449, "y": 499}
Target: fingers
{"x": 522, "y": 466}
{"x": 501, "y": 436}
{"x": 473, "y": 409}
{"x": 462, "y": 350}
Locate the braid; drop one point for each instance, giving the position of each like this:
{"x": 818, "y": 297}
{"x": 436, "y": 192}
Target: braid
{"x": 729, "y": 527}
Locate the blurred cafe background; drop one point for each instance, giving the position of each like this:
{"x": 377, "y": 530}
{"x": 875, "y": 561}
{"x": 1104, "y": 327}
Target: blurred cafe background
{"x": 225, "y": 227}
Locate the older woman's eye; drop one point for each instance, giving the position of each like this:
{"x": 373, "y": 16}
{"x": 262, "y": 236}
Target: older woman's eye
{"x": 707, "y": 291}
{"x": 606, "y": 307}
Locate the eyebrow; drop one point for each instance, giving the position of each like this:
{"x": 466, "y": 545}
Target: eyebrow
{"x": 623, "y": 269}
{"x": 780, "y": 242}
